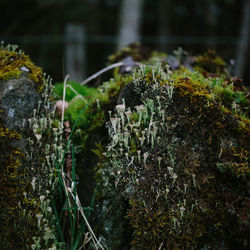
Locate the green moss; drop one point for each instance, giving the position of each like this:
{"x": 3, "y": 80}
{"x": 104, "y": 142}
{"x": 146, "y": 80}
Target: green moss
{"x": 5, "y": 133}
{"x": 178, "y": 164}
{"x": 97, "y": 102}
{"x": 13, "y": 64}
{"x": 77, "y": 89}
{"x": 12, "y": 191}
{"x": 210, "y": 63}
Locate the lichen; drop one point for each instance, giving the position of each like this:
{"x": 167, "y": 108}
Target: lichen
{"x": 179, "y": 159}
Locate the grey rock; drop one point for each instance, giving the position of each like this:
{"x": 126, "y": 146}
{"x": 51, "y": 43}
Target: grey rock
{"x": 18, "y": 98}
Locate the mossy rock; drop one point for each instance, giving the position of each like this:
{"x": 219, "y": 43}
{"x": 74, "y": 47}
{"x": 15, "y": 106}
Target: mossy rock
{"x": 26, "y": 174}
{"x": 181, "y": 161}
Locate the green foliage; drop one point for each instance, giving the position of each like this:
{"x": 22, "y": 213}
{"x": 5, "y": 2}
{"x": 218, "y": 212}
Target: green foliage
{"x": 99, "y": 100}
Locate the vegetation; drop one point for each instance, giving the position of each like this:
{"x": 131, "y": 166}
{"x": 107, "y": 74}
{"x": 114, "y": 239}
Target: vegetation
{"x": 74, "y": 89}
{"x": 180, "y": 159}
{"x": 158, "y": 157}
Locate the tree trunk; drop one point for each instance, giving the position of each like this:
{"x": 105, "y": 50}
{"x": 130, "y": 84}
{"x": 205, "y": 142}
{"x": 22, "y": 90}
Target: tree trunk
{"x": 129, "y": 22}
{"x": 211, "y": 23}
{"x": 164, "y": 24}
{"x": 241, "y": 55}
{"x": 75, "y": 60}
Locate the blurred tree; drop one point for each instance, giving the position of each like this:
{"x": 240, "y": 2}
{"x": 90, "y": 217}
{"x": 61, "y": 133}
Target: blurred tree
{"x": 212, "y": 13}
{"x": 130, "y": 18}
{"x": 241, "y": 56}
{"x": 164, "y": 19}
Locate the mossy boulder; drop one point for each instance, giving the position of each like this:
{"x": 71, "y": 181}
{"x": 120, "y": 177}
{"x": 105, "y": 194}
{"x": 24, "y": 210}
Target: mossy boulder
{"x": 181, "y": 160}
{"x": 27, "y": 175}
{"x": 175, "y": 165}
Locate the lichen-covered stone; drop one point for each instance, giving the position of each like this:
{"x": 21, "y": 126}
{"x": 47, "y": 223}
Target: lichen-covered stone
{"x": 181, "y": 161}
{"x": 26, "y": 136}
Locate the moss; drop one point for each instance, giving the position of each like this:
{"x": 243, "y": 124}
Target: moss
{"x": 210, "y": 63}
{"x": 74, "y": 89}
{"x": 138, "y": 53}
{"x": 12, "y": 192}
{"x": 178, "y": 164}
{"x": 13, "y": 64}
{"x": 5, "y": 133}
{"x": 97, "y": 106}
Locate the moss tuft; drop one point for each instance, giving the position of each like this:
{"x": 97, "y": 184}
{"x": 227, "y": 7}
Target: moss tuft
{"x": 13, "y": 64}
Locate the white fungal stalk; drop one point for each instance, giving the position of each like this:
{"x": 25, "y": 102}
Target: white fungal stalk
{"x": 114, "y": 122}
{"x": 182, "y": 210}
{"x": 120, "y": 110}
{"x": 139, "y": 155}
{"x": 141, "y": 111}
{"x": 170, "y": 170}
{"x": 142, "y": 139}
{"x": 145, "y": 157}
{"x": 128, "y": 114}
{"x": 159, "y": 159}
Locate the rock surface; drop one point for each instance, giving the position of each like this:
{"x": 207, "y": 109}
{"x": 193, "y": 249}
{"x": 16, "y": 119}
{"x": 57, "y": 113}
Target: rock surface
{"x": 19, "y": 97}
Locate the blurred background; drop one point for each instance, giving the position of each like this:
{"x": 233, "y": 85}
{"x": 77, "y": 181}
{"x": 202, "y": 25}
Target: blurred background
{"x": 76, "y": 36}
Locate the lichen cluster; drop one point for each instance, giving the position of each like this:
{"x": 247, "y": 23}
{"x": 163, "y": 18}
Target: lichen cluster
{"x": 181, "y": 160}
{"x": 27, "y": 156}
